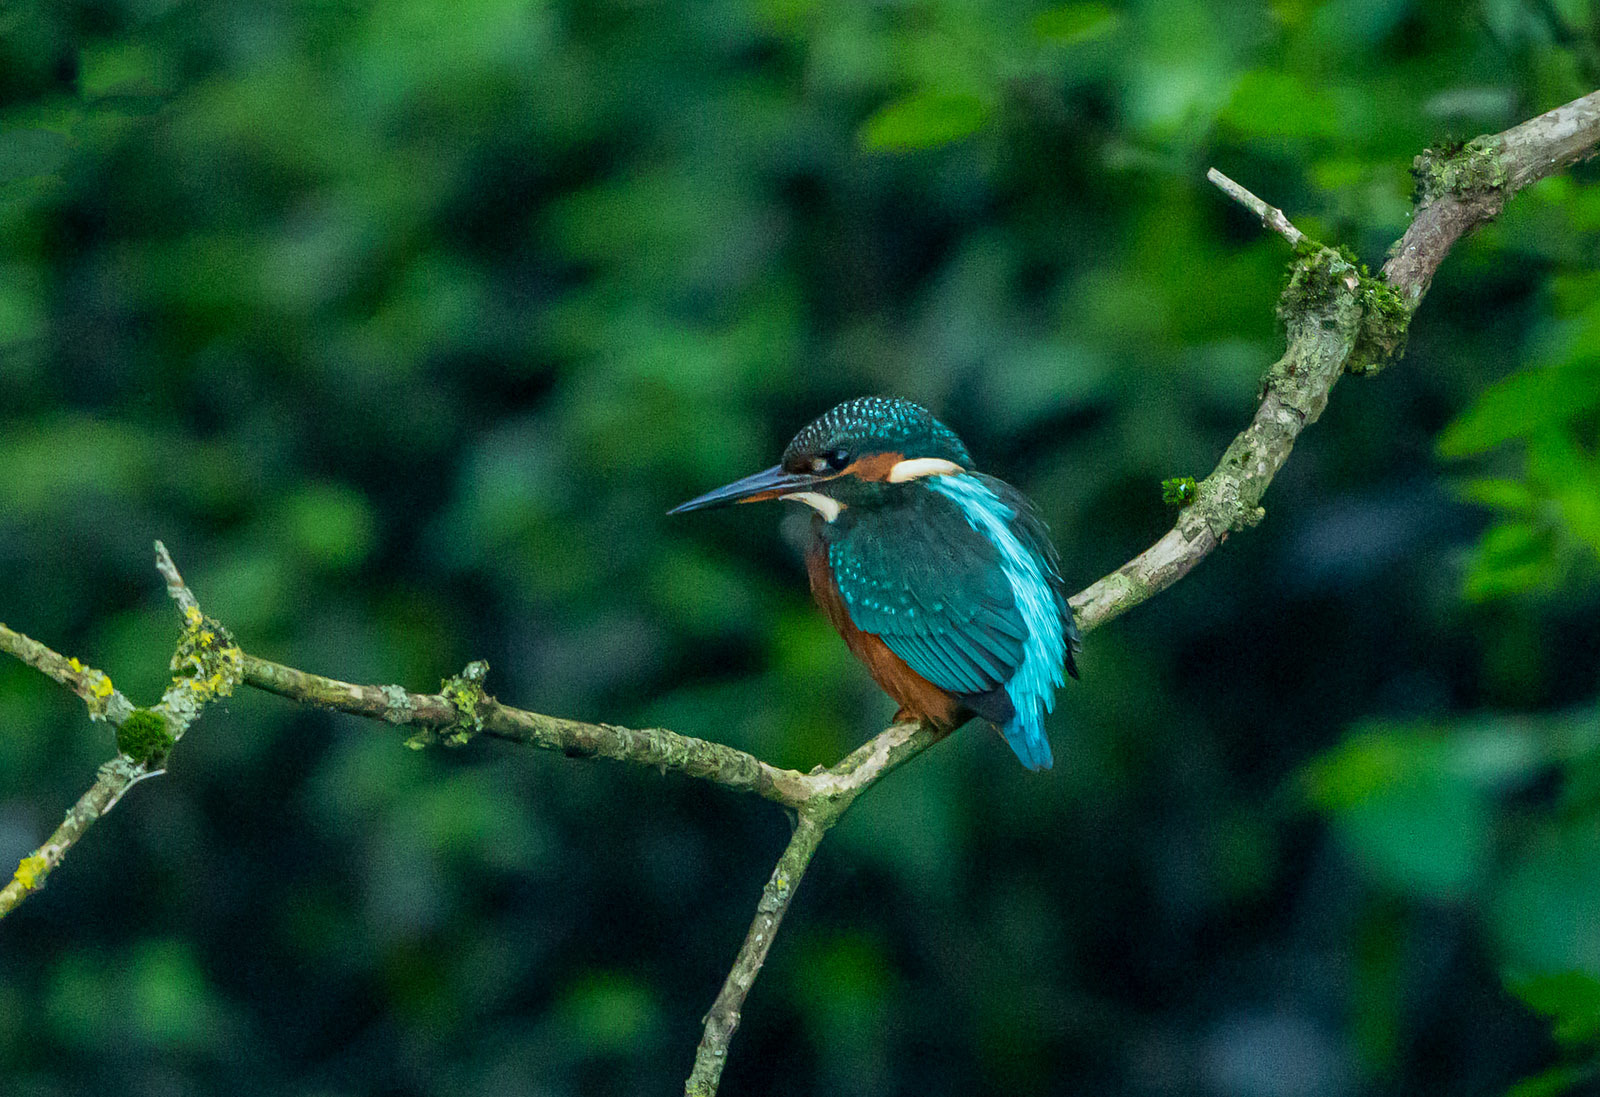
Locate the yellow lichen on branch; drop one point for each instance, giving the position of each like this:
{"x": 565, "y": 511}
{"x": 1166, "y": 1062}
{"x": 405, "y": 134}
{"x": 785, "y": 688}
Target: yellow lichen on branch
{"x": 30, "y": 871}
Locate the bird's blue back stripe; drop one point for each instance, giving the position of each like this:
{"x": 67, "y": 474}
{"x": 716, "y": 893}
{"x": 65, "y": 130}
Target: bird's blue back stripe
{"x": 1032, "y": 688}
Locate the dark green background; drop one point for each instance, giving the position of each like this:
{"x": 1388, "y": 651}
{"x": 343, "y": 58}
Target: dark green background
{"x": 402, "y": 322}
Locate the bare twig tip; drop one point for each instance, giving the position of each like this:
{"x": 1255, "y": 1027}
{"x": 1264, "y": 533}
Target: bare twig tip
{"x": 177, "y": 589}
{"x": 1271, "y": 216}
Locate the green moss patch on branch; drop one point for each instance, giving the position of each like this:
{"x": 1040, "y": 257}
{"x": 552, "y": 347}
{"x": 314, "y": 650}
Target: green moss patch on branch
{"x": 1178, "y": 491}
{"x": 1463, "y": 170}
{"x": 144, "y": 737}
{"x": 1321, "y": 312}
{"x": 466, "y": 695}
{"x": 1385, "y": 322}
{"x": 1320, "y": 272}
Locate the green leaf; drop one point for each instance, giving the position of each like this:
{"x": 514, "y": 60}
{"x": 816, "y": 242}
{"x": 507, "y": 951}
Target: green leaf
{"x": 1567, "y": 474}
{"x": 1424, "y": 835}
{"x": 608, "y": 1013}
{"x": 331, "y": 524}
{"x": 924, "y": 120}
{"x": 1272, "y": 103}
{"x": 1498, "y": 494}
{"x": 1071, "y": 23}
{"x": 842, "y": 984}
{"x": 1415, "y": 820}
{"x": 48, "y": 460}
{"x": 1546, "y": 913}
{"x": 1356, "y": 770}
{"x": 173, "y": 1006}
{"x": 1513, "y": 558}
{"x": 1522, "y": 404}
{"x": 1552, "y": 1083}
{"x": 1571, "y": 999}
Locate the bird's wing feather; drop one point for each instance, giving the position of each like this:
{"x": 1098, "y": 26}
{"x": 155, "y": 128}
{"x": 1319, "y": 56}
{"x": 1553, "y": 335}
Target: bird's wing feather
{"x": 933, "y": 589}
{"x": 1033, "y": 533}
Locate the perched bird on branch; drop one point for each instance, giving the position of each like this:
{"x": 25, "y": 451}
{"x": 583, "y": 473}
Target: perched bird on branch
{"x": 942, "y": 580}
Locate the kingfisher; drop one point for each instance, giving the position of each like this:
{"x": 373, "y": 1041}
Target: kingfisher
{"x": 942, "y": 580}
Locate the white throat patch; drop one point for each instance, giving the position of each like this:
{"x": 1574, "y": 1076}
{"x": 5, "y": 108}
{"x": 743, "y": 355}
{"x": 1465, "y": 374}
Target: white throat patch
{"x": 918, "y": 467}
{"x": 828, "y": 507}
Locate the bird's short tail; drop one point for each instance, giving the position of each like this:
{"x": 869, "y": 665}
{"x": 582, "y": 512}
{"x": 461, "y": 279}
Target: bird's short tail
{"x": 1026, "y": 737}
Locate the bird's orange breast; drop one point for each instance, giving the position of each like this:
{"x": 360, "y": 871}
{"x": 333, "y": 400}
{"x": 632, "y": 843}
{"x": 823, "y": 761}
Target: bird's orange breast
{"x": 917, "y": 697}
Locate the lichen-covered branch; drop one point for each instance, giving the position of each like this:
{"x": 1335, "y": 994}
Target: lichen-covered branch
{"x": 1460, "y": 189}
{"x": 116, "y": 777}
{"x": 463, "y": 709}
{"x": 104, "y": 701}
{"x": 1341, "y": 319}
{"x": 205, "y": 666}
{"x": 1322, "y": 313}
{"x": 177, "y": 589}
{"x": 723, "y": 1019}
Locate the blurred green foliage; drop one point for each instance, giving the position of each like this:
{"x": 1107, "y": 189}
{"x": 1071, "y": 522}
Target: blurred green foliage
{"x": 1548, "y": 531}
{"x": 402, "y": 323}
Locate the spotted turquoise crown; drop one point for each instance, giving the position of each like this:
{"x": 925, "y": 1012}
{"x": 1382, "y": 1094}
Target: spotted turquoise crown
{"x": 877, "y": 424}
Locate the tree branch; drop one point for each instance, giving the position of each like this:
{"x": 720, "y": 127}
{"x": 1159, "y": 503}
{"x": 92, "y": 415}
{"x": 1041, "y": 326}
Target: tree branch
{"x": 1271, "y": 216}
{"x": 1457, "y": 193}
{"x": 104, "y": 701}
{"x": 205, "y": 667}
{"x": 723, "y": 1019}
{"x": 1337, "y": 318}
{"x": 463, "y": 710}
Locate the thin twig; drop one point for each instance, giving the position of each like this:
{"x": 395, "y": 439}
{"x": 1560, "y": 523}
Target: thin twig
{"x": 177, "y": 589}
{"x": 723, "y": 1019}
{"x": 656, "y": 748}
{"x": 1271, "y": 216}
{"x": 116, "y": 777}
{"x": 104, "y": 701}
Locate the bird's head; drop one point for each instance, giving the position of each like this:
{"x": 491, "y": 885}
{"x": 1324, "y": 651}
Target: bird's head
{"x": 852, "y": 456}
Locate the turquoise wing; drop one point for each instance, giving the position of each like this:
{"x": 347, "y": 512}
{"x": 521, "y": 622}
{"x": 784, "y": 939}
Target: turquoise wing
{"x": 932, "y": 588}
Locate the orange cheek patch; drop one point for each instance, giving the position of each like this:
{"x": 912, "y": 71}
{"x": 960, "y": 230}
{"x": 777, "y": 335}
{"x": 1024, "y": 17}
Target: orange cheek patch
{"x": 874, "y": 466}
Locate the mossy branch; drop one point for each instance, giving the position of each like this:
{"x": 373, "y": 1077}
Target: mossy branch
{"x": 205, "y": 666}
{"x": 722, "y": 1021}
{"x": 1340, "y": 319}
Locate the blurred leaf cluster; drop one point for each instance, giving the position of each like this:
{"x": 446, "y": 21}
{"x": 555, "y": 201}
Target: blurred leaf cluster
{"x": 1545, "y": 421}
{"x": 402, "y": 323}
{"x": 1445, "y": 815}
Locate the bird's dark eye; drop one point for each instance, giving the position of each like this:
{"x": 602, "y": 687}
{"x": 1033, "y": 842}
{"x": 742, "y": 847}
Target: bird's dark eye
{"x": 832, "y": 461}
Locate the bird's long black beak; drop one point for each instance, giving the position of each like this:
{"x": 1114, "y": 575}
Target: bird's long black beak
{"x": 766, "y": 484}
